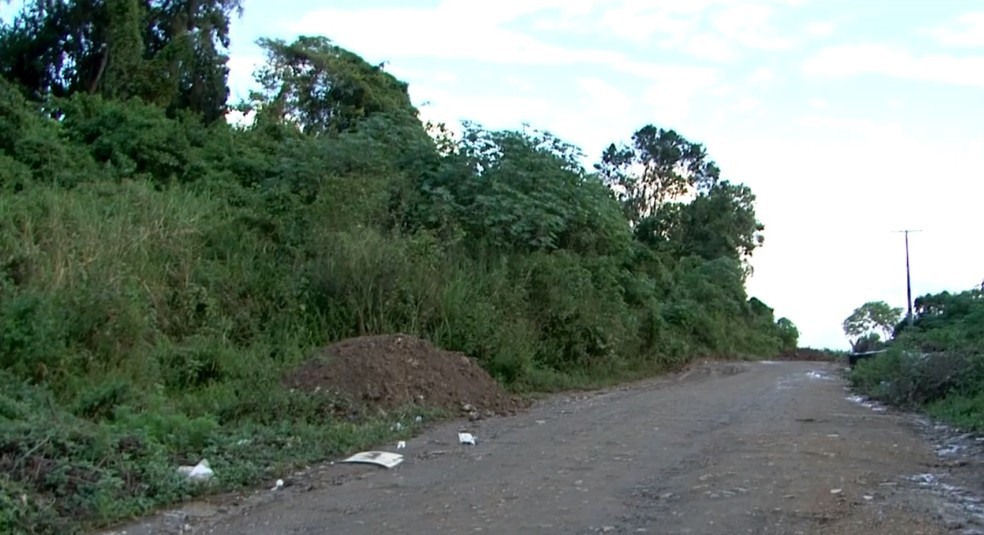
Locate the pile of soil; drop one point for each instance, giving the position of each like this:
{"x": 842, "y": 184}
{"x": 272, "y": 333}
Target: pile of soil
{"x": 393, "y": 371}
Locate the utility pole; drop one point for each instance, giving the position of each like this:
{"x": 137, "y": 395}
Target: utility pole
{"x": 908, "y": 277}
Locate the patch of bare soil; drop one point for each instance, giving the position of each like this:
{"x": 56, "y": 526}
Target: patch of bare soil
{"x": 392, "y": 371}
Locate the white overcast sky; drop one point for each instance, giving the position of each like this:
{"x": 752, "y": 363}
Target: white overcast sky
{"x": 848, "y": 119}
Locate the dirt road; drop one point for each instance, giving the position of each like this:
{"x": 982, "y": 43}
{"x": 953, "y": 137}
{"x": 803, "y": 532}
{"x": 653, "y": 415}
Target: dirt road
{"x": 763, "y": 448}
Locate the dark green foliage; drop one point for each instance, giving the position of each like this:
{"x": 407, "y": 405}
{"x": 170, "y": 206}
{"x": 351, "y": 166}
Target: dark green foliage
{"x": 869, "y": 321}
{"x": 937, "y": 363}
{"x": 323, "y": 88}
{"x": 659, "y": 166}
{"x": 164, "y": 52}
{"x": 516, "y": 191}
{"x": 159, "y": 273}
{"x": 788, "y": 334}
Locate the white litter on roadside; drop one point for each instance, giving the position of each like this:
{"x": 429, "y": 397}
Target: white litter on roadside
{"x": 816, "y": 375}
{"x": 401, "y": 444}
{"x": 466, "y": 438}
{"x": 865, "y": 403}
{"x": 923, "y": 479}
{"x": 950, "y": 449}
{"x": 278, "y": 485}
{"x": 199, "y": 472}
{"x": 380, "y": 458}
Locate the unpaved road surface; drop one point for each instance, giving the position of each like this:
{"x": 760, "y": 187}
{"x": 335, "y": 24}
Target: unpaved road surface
{"x": 761, "y": 448}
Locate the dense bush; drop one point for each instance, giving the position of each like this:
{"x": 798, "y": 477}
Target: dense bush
{"x": 936, "y": 362}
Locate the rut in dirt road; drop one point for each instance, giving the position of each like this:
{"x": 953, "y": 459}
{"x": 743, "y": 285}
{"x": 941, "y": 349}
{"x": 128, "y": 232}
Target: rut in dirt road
{"x": 763, "y": 448}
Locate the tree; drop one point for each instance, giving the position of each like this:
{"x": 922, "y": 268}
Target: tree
{"x": 873, "y": 317}
{"x": 167, "y": 52}
{"x": 190, "y": 38}
{"x": 322, "y": 88}
{"x": 522, "y": 191}
{"x": 788, "y": 334}
{"x": 719, "y": 222}
{"x": 659, "y": 166}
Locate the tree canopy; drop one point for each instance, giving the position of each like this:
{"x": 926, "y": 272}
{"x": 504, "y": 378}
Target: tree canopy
{"x": 167, "y": 52}
{"x": 658, "y": 166}
{"x": 322, "y": 88}
{"x": 872, "y": 318}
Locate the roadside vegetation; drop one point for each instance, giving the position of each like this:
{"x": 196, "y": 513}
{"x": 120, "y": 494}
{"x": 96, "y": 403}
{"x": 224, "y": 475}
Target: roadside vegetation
{"x": 162, "y": 269}
{"x": 935, "y": 363}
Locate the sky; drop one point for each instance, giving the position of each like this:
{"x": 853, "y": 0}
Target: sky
{"x": 849, "y": 120}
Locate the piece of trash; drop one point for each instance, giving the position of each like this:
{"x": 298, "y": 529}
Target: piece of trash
{"x": 419, "y": 419}
{"x": 541, "y": 422}
{"x": 401, "y": 444}
{"x": 466, "y": 438}
{"x": 397, "y": 426}
{"x": 380, "y": 458}
{"x": 836, "y": 491}
{"x": 199, "y": 472}
{"x": 278, "y": 485}
{"x": 868, "y": 498}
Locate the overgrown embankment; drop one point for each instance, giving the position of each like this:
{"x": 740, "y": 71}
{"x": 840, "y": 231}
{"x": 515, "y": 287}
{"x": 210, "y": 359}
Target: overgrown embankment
{"x": 937, "y": 363}
{"x": 162, "y": 271}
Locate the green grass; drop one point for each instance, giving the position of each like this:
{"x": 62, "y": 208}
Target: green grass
{"x": 64, "y": 474}
{"x": 960, "y": 410}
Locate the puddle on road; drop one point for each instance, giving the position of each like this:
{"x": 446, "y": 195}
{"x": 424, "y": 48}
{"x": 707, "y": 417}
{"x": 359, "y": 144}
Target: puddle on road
{"x": 790, "y": 381}
{"x": 961, "y": 509}
{"x": 814, "y": 374}
{"x": 961, "y": 505}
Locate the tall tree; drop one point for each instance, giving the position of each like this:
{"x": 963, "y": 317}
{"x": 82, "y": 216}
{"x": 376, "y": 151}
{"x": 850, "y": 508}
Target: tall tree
{"x": 659, "y": 166}
{"x": 322, "y": 88}
{"x": 721, "y": 222}
{"x": 55, "y": 48}
{"x": 190, "y": 38}
{"x": 871, "y": 318}
{"x": 165, "y": 51}
{"x": 124, "y": 44}
{"x": 522, "y": 191}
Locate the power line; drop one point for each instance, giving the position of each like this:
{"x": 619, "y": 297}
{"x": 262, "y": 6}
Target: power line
{"x": 908, "y": 276}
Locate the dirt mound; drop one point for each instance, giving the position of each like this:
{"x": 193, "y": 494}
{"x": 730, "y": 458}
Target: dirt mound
{"x": 396, "y": 370}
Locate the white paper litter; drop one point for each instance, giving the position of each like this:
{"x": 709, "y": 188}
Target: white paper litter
{"x": 379, "y": 458}
{"x": 401, "y": 444}
{"x": 199, "y": 472}
{"x": 466, "y": 438}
